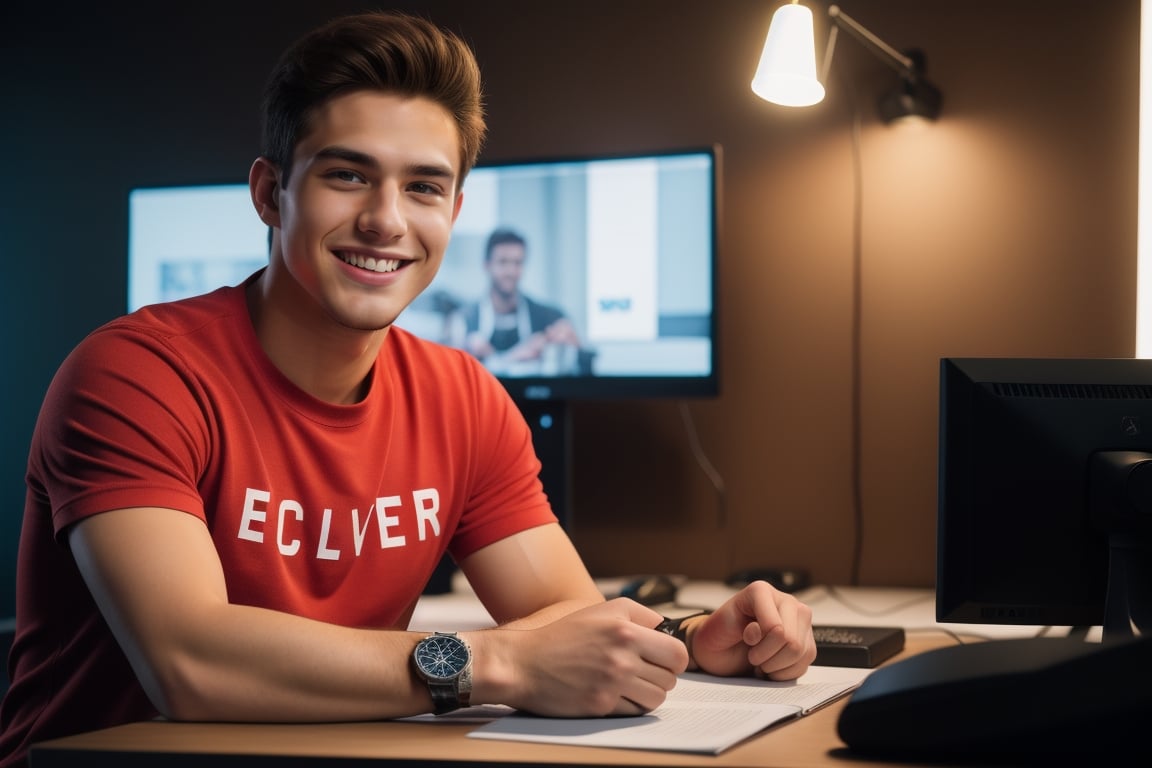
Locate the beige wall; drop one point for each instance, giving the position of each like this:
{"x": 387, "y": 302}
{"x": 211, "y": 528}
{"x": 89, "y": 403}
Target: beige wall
{"x": 1007, "y": 228}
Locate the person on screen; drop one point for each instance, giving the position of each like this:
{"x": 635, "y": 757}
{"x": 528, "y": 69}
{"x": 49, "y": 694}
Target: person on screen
{"x": 511, "y": 333}
{"x": 234, "y": 500}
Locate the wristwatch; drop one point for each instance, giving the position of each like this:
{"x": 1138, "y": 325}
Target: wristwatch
{"x": 444, "y": 661}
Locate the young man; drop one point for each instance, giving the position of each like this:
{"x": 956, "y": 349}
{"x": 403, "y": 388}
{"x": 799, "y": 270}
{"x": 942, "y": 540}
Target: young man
{"x": 234, "y": 501}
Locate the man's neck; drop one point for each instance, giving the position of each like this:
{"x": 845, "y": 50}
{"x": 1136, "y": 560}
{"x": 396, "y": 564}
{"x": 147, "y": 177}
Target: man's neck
{"x": 505, "y": 303}
{"x": 325, "y": 360}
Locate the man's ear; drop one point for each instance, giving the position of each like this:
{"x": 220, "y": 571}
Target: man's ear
{"x": 456, "y": 207}
{"x": 264, "y": 186}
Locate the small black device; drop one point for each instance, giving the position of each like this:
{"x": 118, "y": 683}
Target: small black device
{"x": 655, "y": 589}
{"x": 784, "y": 579}
{"x": 866, "y": 647}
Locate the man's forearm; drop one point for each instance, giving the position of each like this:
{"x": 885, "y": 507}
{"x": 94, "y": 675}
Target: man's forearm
{"x": 549, "y": 614}
{"x": 264, "y": 665}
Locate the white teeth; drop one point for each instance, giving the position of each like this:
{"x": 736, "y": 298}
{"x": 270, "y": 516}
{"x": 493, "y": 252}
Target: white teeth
{"x": 371, "y": 263}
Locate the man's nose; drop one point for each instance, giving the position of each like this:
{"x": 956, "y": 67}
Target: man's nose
{"x": 383, "y": 214}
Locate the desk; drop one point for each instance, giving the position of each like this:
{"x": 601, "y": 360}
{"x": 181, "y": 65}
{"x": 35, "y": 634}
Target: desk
{"x": 809, "y": 741}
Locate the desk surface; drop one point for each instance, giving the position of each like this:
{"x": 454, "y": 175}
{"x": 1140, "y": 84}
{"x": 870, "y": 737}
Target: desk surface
{"x": 809, "y": 741}
{"x": 912, "y": 609}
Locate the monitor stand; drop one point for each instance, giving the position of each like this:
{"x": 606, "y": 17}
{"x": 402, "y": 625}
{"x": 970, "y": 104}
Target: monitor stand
{"x": 1120, "y": 504}
{"x": 550, "y": 423}
{"x": 1128, "y": 604}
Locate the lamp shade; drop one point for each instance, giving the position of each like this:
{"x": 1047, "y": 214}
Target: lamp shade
{"x": 787, "y": 71}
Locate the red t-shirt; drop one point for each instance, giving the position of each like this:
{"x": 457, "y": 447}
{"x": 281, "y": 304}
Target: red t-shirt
{"x": 336, "y": 512}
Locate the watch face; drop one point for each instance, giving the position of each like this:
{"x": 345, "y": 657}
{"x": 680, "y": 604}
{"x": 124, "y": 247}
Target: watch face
{"x": 441, "y": 657}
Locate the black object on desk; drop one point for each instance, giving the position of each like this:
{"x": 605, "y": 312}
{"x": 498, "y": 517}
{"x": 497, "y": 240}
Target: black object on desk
{"x": 655, "y": 589}
{"x": 1006, "y": 700}
{"x": 784, "y": 579}
{"x": 864, "y": 647}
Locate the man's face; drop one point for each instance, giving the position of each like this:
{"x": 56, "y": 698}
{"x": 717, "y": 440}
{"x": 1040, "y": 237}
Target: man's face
{"x": 370, "y": 204}
{"x": 505, "y": 266}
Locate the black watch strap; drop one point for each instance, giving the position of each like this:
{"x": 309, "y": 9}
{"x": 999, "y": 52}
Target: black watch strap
{"x": 676, "y": 628}
{"x": 447, "y": 697}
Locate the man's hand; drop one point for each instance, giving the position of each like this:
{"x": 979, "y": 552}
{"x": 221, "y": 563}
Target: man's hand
{"x": 478, "y": 346}
{"x": 562, "y": 332}
{"x": 600, "y": 660}
{"x": 758, "y": 630}
{"x": 530, "y": 348}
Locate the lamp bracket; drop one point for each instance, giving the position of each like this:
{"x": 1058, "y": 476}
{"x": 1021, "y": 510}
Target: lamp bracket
{"x": 903, "y": 64}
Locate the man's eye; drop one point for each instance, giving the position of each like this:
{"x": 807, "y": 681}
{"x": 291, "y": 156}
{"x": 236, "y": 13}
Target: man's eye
{"x": 349, "y": 176}
{"x": 425, "y": 188}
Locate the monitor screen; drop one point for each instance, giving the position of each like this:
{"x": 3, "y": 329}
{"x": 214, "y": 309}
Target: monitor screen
{"x": 1045, "y": 492}
{"x": 584, "y": 277}
{"x": 188, "y": 240}
{"x": 600, "y": 281}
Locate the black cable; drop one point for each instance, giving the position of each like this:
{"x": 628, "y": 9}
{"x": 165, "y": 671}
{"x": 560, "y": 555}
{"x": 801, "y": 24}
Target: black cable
{"x": 706, "y": 465}
{"x": 836, "y": 595}
{"x": 857, "y": 346}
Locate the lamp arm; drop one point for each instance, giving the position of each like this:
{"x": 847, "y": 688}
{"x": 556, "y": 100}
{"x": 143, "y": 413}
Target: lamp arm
{"x": 898, "y": 61}
{"x": 829, "y": 50}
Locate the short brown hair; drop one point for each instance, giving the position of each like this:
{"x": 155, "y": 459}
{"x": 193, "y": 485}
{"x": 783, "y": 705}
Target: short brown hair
{"x": 391, "y": 52}
{"x": 503, "y": 236}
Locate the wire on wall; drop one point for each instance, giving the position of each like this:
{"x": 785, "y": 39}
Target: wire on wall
{"x": 705, "y": 464}
{"x": 857, "y": 375}
{"x": 857, "y": 426}
{"x": 857, "y": 355}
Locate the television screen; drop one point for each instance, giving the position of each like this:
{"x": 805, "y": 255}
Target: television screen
{"x": 187, "y": 240}
{"x": 601, "y": 282}
{"x": 1045, "y": 492}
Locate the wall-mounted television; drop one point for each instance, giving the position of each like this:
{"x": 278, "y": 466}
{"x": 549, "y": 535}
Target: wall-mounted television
{"x": 624, "y": 246}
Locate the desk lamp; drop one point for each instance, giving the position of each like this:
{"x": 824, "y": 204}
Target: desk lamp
{"x": 787, "y": 71}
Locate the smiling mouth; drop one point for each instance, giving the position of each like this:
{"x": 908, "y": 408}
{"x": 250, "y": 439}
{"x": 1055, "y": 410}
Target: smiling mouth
{"x": 370, "y": 263}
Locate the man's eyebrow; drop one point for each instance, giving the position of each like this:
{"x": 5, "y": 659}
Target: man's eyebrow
{"x": 435, "y": 171}
{"x": 362, "y": 158}
{"x": 348, "y": 155}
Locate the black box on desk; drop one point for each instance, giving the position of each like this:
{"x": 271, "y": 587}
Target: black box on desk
{"x": 842, "y": 646}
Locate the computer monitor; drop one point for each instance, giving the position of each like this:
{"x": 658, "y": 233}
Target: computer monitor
{"x": 1045, "y": 493}
{"x": 624, "y": 246}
